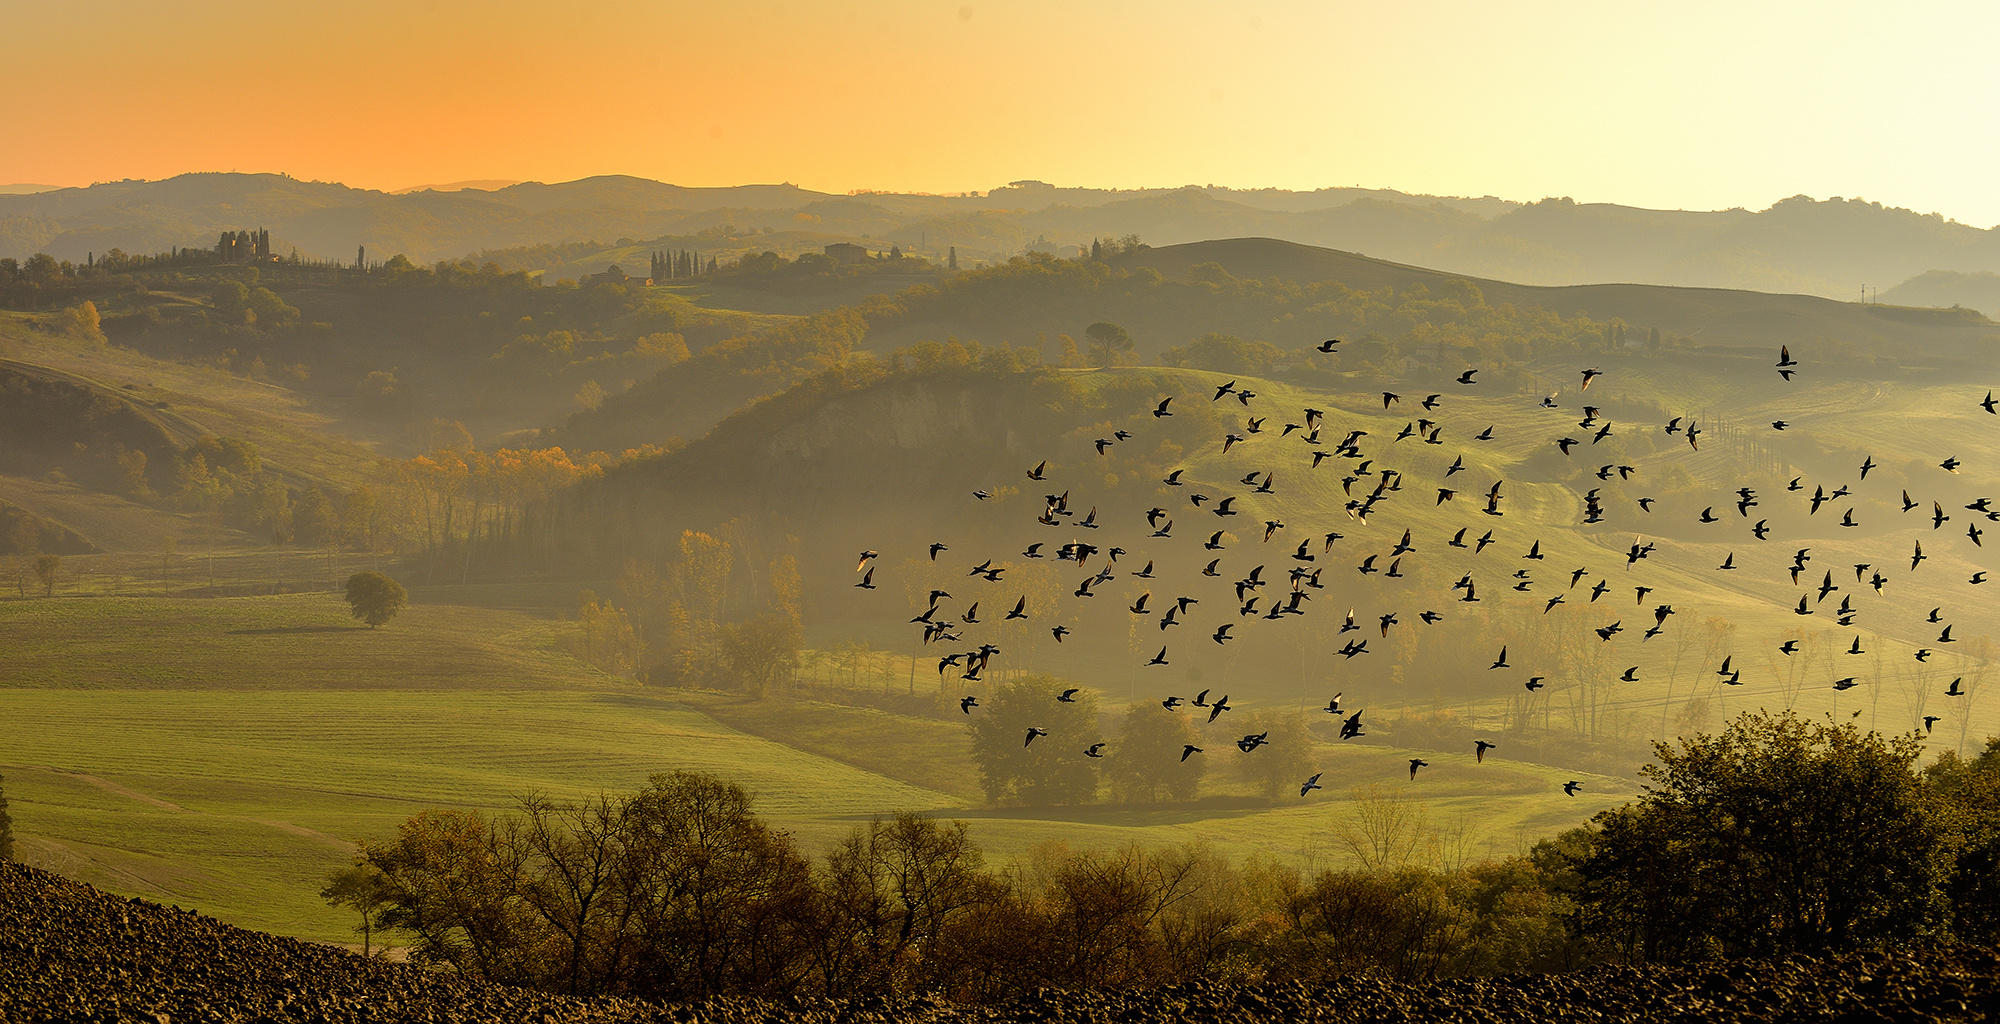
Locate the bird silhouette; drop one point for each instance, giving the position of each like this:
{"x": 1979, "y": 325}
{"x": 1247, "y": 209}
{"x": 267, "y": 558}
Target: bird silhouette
{"x": 1032, "y": 733}
{"x": 1479, "y": 749}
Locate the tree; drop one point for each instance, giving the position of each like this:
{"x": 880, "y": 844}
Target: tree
{"x": 720, "y": 901}
{"x": 81, "y": 322}
{"x": 1780, "y": 835}
{"x": 1148, "y": 766}
{"x": 359, "y": 887}
{"x": 454, "y": 885}
{"x": 1281, "y": 765}
{"x": 1053, "y": 768}
{"x": 231, "y": 301}
{"x": 760, "y": 652}
{"x": 1382, "y": 829}
{"x": 1070, "y": 356}
{"x": 1970, "y": 791}
{"x": 604, "y": 636}
{"x": 1108, "y": 341}
{"x": 314, "y": 521}
{"x": 888, "y": 898}
{"x": 374, "y": 597}
{"x": 46, "y": 568}
{"x": 1224, "y": 353}
{"x": 132, "y": 463}
{"x": 6, "y": 825}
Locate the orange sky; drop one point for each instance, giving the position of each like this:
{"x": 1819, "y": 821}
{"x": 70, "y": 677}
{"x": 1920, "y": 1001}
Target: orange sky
{"x": 1694, "y": 105}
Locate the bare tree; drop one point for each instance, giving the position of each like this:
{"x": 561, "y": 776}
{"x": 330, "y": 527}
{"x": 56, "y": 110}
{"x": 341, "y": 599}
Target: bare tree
{"x": 1383, "y": 829}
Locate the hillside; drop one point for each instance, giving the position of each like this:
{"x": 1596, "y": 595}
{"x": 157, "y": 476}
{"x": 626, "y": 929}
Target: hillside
{"x": 1832, "y": 248}
{"x": 1707, "y": 316}
{"x": 1287, "y": 298}
{"x": 1980, "y": 291}
{"x": 891, "y": 465}
{"x": 92, "y": 438}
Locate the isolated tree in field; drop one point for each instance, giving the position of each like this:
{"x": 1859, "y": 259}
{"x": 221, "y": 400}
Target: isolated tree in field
{"x": 374, "y": 597}
{"x": 46, "y": 568}
{"x": 1050, "y": 770}
{"x": 1108, "y": 341}
{"x": 1278, "y": 766}
{"x": 1147, "y": 766}
{"x": 360, "y": 888}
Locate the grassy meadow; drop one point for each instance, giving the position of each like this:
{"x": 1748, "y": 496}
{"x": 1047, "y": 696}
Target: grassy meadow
{"x": 223, "y": 754}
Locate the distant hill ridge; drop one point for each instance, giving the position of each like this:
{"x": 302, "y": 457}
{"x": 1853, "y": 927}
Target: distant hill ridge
{"x": 1712, "y": 316}
{"x": 1833, "y": 248}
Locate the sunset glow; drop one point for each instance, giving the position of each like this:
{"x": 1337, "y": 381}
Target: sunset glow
{"x": 1701, "y": 105}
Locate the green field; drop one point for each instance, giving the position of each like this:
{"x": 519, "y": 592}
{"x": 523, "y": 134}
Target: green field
{"x": 222, "y": 754}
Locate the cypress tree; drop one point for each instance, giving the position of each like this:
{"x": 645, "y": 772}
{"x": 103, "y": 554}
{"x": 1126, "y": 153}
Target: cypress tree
{"x": 951, "y": 259}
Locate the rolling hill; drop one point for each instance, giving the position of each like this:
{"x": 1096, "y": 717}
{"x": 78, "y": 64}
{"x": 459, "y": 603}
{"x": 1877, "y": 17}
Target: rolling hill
{"x": 1833, "y": 248}
{"x": 1709, "y": 316}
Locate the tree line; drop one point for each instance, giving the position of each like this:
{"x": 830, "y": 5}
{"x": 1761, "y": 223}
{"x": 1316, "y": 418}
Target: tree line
{"x": 1778, "y": 835}
{"x": 680, "y": 891}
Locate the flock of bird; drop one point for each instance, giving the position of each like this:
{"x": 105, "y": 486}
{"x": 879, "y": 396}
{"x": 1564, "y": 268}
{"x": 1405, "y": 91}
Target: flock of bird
{"x": 1380, "y": 485}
